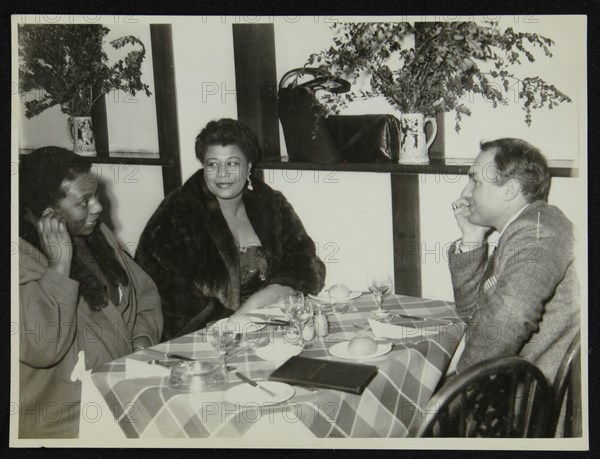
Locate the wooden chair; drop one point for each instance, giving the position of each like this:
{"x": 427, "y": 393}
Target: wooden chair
{"x": 503, "y": 397}
{"x": 566, "y": 391}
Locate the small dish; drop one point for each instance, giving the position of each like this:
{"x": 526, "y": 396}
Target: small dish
{"x": 341, "y": 350}
{"x": 244, "y": 394}
{"x": 197, "y": 376}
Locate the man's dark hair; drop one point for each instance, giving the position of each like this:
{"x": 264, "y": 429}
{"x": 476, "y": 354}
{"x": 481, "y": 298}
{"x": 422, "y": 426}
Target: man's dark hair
{"x": 517, "y": 159}
{"x": 227, "y": 131}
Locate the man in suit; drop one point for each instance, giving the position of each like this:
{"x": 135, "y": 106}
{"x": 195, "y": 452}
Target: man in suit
{"x": 521, "y": 293}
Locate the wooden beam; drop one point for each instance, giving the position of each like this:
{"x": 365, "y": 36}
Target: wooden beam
{"x": 166, "y": 104}
{"x": 100, "y": 126}
{"x": 256, "y": 83}
{"x": 406, "y": 226}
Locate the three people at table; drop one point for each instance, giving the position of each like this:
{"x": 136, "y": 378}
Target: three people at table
{"x": 83, "y": 301}
{"x": 225, "y": 243}
{"x": 519, "y": 286}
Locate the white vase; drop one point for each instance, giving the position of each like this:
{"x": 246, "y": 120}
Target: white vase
{"x": 414, "y": 146}
{"x": 82, "y": 135}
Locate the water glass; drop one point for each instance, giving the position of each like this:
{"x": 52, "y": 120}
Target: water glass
{"x": 221, "y": 338}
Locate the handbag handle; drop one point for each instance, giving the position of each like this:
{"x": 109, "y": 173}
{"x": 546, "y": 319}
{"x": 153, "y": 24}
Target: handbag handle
{"x": 322, "y": 80}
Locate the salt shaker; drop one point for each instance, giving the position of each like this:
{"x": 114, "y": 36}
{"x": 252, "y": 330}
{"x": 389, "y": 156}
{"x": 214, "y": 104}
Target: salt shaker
{"x": 321, "y": 324}
{"x": 308, "y": 332}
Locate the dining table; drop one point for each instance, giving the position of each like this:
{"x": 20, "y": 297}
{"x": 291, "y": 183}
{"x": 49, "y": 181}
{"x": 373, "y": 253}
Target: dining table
{"x": 393, "y": 404}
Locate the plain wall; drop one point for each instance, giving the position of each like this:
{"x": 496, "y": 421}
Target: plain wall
{"x": 132, "y": 194}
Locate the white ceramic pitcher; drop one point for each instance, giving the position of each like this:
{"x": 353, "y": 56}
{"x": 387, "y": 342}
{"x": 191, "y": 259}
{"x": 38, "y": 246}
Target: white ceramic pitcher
{"x": 82, "y": 135}
{"x": 414, "y": 146}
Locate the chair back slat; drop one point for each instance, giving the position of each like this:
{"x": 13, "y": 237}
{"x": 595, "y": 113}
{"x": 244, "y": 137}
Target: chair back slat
{"x": 463, "y": 414}
{"x": 512, "y": 394}
{"x": 566, "y": 392}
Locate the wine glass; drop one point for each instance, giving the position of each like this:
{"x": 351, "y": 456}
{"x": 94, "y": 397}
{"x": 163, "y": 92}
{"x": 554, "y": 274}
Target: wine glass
{"x": 221, "y": 337}
{"x": 378, "y": 285}
{"x": 288, "y": 298}
{"x": 298, "y": 312}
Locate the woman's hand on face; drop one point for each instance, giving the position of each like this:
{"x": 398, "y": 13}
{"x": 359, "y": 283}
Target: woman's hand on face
{"x": 56, "y": 243}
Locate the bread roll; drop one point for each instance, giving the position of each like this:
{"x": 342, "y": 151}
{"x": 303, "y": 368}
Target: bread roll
{"x": 362, "y": 345}
{"x": 339, "y": 291}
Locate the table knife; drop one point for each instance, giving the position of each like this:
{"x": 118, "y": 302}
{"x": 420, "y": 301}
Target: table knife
{"x": 254, "y": 384}
{"x": 171, "y": 356}
{"x": 426, "y": 319}
{"x": 277, "y": 323}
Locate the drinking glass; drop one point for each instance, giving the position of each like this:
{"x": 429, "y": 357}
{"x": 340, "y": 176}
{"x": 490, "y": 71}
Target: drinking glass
{"x": 378, "y": 285}
{"x": 220, "y": 337}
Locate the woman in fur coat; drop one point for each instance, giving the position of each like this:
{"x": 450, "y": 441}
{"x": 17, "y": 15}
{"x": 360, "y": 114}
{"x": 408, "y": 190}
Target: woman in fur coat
{"x": 223, "y": 243}
{"x": 83, "y": 301}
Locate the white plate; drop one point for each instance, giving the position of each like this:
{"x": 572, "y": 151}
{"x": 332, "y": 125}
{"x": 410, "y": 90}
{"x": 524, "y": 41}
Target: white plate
{"x": 245, "y": 393}
{"x": 324, "y": 297}
{"x": 249, "y": 328}
{"x": 341, "y": 350}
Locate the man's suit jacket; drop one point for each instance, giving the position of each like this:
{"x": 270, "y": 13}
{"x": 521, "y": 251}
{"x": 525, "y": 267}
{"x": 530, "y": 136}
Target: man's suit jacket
{"x": 527, "y": 302}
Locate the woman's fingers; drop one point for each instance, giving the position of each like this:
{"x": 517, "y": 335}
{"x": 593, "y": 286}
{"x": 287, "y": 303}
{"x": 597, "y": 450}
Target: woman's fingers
{"x": 55, "y": 240}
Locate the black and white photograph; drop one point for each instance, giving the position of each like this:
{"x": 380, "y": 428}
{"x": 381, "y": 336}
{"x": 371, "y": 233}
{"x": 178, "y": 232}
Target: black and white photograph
{"x": 314, "y": 231}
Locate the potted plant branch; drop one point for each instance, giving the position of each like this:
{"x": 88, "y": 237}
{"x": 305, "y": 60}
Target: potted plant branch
{"x": 67, "y": 66}
{"x": 447, "y": 62}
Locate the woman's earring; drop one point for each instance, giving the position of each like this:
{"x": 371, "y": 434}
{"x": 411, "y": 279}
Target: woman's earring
{"x": 250, "y": 187}
{"x": 46, "y": 211}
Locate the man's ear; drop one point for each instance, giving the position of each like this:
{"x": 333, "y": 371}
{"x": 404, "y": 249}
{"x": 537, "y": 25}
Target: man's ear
{"x": 512, "y": 189}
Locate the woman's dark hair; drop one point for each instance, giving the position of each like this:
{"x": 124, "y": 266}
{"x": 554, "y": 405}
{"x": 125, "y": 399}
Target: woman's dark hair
{"x": 42, "y": 177}
{"x": 518, "y": 159}
{"x": 43, "y": 171}
{"x": 227, "y": 131}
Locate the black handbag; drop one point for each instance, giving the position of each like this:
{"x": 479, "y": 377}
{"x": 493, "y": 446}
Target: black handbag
{"x": 366, "y": 138}
{"x": 311, "y": 137}
{"x": 306, "y": 134}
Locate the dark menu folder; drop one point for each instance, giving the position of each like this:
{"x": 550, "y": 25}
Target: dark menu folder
{"x": 344, "y": 376}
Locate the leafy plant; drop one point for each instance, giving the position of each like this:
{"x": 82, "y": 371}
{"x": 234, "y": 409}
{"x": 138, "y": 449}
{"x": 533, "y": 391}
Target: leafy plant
{"x": 67, "y": 63}
{"x": 445, "y": 64}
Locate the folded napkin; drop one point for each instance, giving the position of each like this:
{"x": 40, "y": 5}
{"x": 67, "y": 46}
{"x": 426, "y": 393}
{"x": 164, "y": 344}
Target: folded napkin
{"x": 279, "y": 350}
{"x": 269, "y": 311}
{"x": 138, "y": 369}
{"x": 386, "y": 330}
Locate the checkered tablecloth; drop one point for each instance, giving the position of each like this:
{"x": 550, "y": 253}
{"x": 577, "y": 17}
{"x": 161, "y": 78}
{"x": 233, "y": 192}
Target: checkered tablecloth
{"x": 392, "y": 405}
